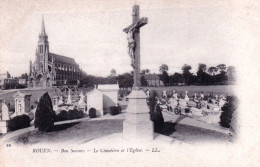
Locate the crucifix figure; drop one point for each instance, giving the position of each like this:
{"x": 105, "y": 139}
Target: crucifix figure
{"x": 133, "y": 37}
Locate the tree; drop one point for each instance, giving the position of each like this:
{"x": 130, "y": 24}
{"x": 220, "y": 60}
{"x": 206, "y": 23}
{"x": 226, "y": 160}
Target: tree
{"x": 44, "y": 115}
{"x": 113, "y": 73}
{"x": 221, "y": 67}
{"x": 125, "y": 80}
{"x": 212, "y": 70}
{"x": 186, "y": 73}
{"x": 163, "y": 68}
{"x": 164, "y": 77}
{"x": 175, "y": 79}
{"x": 201, "y": 74}
{"x": 144, "y": 81}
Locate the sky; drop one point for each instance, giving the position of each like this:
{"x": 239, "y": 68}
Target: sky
{"x": 91, "y": 32}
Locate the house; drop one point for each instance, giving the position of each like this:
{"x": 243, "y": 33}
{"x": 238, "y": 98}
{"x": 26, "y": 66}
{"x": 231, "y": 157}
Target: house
{"x": 153, "y": 80}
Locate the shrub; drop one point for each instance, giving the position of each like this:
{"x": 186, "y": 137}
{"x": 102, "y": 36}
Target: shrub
{"x": 75, "y": 114}
{"x": 114, "y": 110}
{"x": 152, "y": 100}
{"x": 62, "y": 116}
{"x": 44, "y": 116}
{"x": 19, "y": 122}
{"x": 228, "y": 111}
{"x": 156, "y": 116}
{"x": 92, "y": 113}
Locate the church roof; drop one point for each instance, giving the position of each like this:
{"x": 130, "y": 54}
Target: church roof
{"x": 61, "y": 59}
{"x": 151, "y": 76}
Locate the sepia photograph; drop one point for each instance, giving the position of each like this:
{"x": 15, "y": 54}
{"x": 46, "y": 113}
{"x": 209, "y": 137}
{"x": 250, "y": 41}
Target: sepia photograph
{"x": 129, "y": 83}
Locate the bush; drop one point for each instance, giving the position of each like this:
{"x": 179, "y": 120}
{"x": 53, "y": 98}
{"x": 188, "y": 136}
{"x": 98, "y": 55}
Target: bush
{"x": 92, "y": 113}
{"x": 75, "y": 114}
{"x": 114, "y": 110}
{"x": 62, "y": 116}
{"x": 19, "y": 122}
{"x": 44, "y": 115}
{"x": 152, "y": 101}
{"x": 228, "y": 109}
{"x": 156, "y": 115}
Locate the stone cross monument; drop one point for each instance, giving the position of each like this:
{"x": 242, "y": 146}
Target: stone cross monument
{"x": 133, "y": 37}
{"x": 137, "y": 125}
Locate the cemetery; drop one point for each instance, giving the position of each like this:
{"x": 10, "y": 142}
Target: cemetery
{"x": 101, "y": 113}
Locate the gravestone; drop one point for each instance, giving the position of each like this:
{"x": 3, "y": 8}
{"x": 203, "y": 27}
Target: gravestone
{"x": 186, "y": 96}
{"x": 22, "y": 103}
{"x": 4, "y": 122}
{"x": 82, "y": 103}
{"x": 60, "y": 102}
{"x": 69, "y": 100}
{"x": 164, "y": 93}
{"x": 95, "y": 100}
{"x": 137, "y": 125}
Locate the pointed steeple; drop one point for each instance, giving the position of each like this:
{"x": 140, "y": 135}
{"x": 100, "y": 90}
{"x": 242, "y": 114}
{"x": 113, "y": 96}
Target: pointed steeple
{"x": 43, "y": 27}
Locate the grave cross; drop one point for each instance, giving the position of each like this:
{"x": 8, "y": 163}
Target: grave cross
{"x": 133, "y": 37}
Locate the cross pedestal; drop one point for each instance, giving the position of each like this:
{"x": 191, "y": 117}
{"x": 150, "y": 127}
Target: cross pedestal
{"x": 137, "y": 125}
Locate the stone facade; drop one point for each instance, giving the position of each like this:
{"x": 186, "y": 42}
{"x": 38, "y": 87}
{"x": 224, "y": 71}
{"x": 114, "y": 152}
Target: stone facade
{"x": 51, "y": 69}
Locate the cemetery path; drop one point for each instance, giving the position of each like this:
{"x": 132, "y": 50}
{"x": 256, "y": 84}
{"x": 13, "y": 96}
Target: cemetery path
{"x": 185, "y": 120}
{"x": 177, "y": 127}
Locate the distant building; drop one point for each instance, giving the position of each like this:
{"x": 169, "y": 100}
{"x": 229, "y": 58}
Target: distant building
{"x": 153, "y": 80}
{"x": 51, "y": 69}
{"x": 22, "y": 81}
{"x": 6, "y": 82}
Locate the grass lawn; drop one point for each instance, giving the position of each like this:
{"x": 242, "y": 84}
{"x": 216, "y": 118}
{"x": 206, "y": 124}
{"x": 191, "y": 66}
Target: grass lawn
{"x": 80, "y": 133}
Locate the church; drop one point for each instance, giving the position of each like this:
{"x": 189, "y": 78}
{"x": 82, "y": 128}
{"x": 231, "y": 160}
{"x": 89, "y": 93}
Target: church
{"x": 50, "y": 69}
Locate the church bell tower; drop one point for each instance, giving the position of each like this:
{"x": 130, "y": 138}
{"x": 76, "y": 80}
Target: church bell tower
{"x": 42, "y": 50}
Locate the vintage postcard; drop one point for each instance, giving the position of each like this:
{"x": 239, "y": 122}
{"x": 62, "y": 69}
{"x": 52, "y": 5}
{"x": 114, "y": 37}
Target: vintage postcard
{"x": 129, "y": 83}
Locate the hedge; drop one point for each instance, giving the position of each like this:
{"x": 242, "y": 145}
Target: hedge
{"x": 19, "y": 122}
{"x": 92, "y": 113}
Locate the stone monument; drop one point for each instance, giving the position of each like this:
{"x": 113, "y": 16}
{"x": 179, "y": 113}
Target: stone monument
{"x": 82, "y": 103}
{"x": 137, "y": 125}
{"x": 60, "y": 102}
{"x": 22, "y": 104}
{"x": 4, "y": 122}
{"x": 95, "y": 100}
{"x": 186, "y": 96}
{"x": 69, "y": 100}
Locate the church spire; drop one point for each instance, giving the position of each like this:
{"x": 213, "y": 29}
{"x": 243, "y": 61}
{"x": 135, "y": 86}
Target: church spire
{"x": 43, "y": 26}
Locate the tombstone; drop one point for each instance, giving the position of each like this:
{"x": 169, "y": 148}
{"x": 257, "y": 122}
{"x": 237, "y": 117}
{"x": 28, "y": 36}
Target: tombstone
{"x": 137, "y": 125}
{"x": 69, "y": 100}
{"x": 60, "y": 102}
{"x": 4, "y": 122}
{"x": 186, "y": 96}
{"x": 81, "y": 103}
{"x": 175, "y": 95}
{"x": 164, "y": 93}
{"x": 110, "y": 95}
{"x": 202, "y": 95}
{"x": 222, "y": 102}
{"x": 55, "y": 100}
{"x": 95, "y": 100}
{"x": 22, "y": 104}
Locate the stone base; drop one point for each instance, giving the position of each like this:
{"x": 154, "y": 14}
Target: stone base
{"x": 137, "y": 125}
{"x": 140, "y": 128}
{"x": 4, "y": 126}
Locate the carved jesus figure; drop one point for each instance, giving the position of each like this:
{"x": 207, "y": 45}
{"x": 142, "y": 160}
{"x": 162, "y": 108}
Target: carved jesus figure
{"x": 131, "y": 45}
